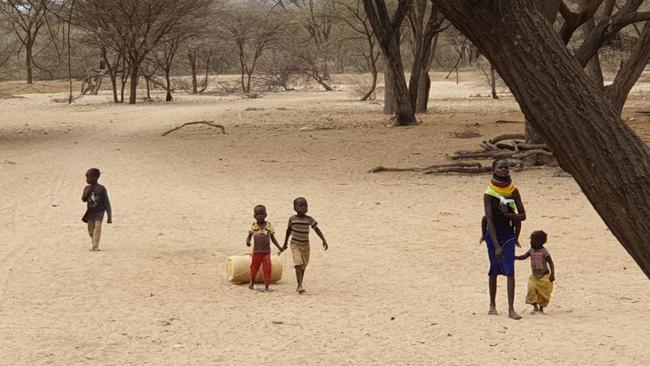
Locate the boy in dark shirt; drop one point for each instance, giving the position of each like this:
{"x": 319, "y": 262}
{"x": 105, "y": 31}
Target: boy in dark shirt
{"x": 262, "y": 233}
{"x": 97, "y": 202}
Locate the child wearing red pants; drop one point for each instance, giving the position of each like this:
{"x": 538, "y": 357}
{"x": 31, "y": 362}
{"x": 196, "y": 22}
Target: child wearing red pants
{"x": 262, "y": 234}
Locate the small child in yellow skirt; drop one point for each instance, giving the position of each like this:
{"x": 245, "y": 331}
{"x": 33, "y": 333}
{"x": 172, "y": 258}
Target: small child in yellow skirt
{"x": 540, "y": 283}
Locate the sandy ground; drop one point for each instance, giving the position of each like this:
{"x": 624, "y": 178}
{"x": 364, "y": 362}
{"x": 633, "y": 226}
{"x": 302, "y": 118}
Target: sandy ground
{"x": 404, "y": 281}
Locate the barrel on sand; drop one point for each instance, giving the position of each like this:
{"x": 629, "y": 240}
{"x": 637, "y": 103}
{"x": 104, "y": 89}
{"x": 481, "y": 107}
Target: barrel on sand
{"x": 238, "y": 269}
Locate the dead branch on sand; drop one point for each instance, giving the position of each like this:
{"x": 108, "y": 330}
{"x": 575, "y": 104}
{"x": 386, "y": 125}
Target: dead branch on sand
{"x": 209, "y": 123}
{"x": 519, "y": 155}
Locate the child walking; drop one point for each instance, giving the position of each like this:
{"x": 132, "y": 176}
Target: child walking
{"x": 298, "y": 229}
{"x": 97, "y": 202}
{"x": 540, "y": 284}
{"x": 262, "y": 233}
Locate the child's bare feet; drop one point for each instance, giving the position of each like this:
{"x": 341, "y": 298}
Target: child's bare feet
{"x": 300, "y": 290}
{"x": 535, "y": 309}
{"x": 493, "y": 310}
{"x": 514, "y": 315}
{"x": 250, "y": 285}
{"x": 268, "y": 289}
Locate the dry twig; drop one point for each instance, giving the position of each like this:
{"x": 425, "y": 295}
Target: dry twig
{"x": 209, "y": 123}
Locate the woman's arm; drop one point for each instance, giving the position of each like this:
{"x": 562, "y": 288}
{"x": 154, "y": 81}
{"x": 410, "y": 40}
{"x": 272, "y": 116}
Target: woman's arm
{"x": 487, "y": 204}
{"x": 520, "y": 215}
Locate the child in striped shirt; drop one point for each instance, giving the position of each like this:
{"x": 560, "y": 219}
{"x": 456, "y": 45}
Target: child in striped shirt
{"x": 298, "y": 229}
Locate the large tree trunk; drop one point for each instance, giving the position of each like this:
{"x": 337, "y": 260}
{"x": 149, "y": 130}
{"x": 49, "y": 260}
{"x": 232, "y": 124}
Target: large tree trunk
{"x": 388, "y": 35}
{"x": 404, "y": 111}
{"x": 418, "y": 10}
{"x": 424, "y": 85}
{"x": 389, "y": 89}
{"x": 425, "y": 34}
{"x": 549, "y": 10}
{"x": 422, "y": 102}
{"x": 607, "y": 159}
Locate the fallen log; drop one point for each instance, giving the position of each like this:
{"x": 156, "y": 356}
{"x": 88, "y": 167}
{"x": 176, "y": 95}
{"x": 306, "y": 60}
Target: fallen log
{"x": 460, "y": 169}
{"x": 482, "y": 155}
{"x": 424, "y": 169}
{"x": 499, "y": 121}
{"x": 514, "y": 136}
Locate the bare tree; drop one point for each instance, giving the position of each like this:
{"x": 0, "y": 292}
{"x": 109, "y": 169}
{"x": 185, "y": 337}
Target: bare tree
{"x": 164, "y": 56}
{"x": 355, "y": 18}
{"x": 27, "y": 19}
{"x": 251, "y": 32}
{"x": 387, "y": 31}
{"x": 278, "y": 67}
{"x": 8, "y": 45}
{"x": 135, "y": 28}
{"x": 200, "y": 50}
{"x": 601, "y": 22}
{"x": 318, "y": 18}
{"x": 113, "y": 60}
{"x": 586, "y": 134}
{"x": 424, "y": 30}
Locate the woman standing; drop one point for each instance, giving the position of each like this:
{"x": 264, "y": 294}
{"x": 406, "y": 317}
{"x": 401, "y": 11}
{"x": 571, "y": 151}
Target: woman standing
{"x": 504, "y": 213}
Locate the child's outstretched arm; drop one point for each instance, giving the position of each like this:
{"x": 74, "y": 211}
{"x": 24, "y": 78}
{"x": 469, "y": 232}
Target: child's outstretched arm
{"x": 275, "y": 242}
{"x": 286, "y": 236}
{"x": 248, "y": 239}
{"x": 321, "y": 236}
{"x": 552, "y": 266}
{"x": 522, "y": 257}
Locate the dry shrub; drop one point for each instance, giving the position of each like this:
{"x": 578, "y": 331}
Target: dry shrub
{"x": 360, "y": 87}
